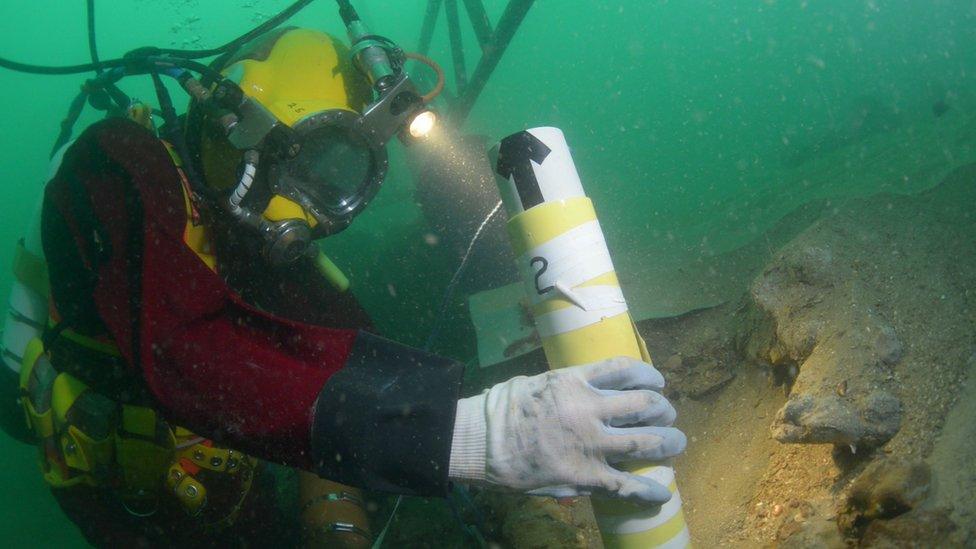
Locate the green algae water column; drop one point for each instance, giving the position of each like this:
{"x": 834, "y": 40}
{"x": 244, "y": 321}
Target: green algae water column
{"x": 575, "y": 298}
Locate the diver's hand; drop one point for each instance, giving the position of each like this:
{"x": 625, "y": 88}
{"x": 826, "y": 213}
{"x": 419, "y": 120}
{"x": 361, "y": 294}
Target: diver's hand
{"x": 560, "y": 433}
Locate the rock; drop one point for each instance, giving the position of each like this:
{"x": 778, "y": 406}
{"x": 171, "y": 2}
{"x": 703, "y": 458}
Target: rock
{"x": 537, "y": 522}
{"x": 794, "y": 278}
{"x": 820, "y": 533}
{"x": 886, "y": 489}
{"x": 811, "y": 526}
{"x": 707, "y": 376}
{"x": 887, "y": 348}
{"x": 866, "y": 422}
{"x": 915, "y": 528}
{"x": 672, "y": 364}
{"x": 881, "y": 413}
{"x": 704, "y": 360}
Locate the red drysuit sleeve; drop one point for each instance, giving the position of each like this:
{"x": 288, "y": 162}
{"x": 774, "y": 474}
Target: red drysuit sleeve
{"x": 113, "y": 225}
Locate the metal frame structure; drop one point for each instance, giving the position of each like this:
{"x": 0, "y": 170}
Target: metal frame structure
{"x": 492, "y": 41}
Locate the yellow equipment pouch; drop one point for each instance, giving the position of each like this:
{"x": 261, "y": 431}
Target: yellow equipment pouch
{"x": 144, "y": 446}
{"x": 88, "y": 439}
{"x": 75, "y": 425}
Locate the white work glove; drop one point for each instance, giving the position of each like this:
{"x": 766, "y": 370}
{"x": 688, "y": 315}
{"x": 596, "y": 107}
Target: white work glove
{"x": 559, "y": 433}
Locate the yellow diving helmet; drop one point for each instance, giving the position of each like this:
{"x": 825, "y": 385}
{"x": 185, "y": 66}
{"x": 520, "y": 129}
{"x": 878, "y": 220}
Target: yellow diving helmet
{"x": 309, "y": 119}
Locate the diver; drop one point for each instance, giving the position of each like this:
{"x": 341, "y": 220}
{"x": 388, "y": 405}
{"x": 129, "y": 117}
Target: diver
{"x": 195, "y": 330}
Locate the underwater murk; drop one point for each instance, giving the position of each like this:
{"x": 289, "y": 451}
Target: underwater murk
{"x": 786, "y": 189}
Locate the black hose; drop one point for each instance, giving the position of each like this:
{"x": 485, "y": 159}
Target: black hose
{"x": 187, "y": 64}
{"x": 174, "y": 134}
{"x": 278, "y": 19}
{"x": 65, "y": 69}
{"x": 170, "y": 118}
{"x": 105, "y": 82}
{"x": 142, "y": 53}
{"x": 68, "y": 124}
{"x": 347, "y": 12}
{"x": 92, "y": 44}
{"x": 119, "y": 97}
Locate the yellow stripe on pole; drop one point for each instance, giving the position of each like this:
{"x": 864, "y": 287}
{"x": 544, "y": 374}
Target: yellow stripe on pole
{"x": 549, "y": 222}
{"x": 591, "y": 344}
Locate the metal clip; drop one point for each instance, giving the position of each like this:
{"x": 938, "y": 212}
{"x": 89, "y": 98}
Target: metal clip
{"x": 348, "y": 528}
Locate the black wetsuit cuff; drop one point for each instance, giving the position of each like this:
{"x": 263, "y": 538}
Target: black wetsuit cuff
{"x": 385, "y": 421}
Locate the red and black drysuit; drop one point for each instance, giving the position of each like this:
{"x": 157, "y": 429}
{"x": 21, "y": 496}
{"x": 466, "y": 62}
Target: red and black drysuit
{"x": 270, "y": 362}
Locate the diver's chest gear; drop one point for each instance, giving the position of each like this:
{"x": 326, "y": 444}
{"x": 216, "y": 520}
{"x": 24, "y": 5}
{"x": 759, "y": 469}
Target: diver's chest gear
{"x": 88, "y": 439}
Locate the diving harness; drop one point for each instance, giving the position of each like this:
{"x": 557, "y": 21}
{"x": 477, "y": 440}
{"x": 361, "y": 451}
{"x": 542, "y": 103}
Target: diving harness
{"x": 95, "y": 426}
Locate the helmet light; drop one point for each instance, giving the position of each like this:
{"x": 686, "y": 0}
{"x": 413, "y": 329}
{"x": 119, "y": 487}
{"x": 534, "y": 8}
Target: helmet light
{"x": 422, "y": 124}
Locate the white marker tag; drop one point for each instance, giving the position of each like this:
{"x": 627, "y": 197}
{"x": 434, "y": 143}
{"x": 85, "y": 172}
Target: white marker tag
{"x": 602, "y": 302}
{"x": 572, "y": 258}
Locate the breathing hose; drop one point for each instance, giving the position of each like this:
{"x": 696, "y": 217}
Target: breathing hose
{"x": 144, "y": 53}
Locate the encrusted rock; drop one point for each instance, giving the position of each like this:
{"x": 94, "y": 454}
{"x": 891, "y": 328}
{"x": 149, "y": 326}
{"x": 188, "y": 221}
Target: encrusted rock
{"x": 528, "y": 521}
{"x": 916, "y": 528}
{"x": 886, "y": 489}
{"x": 887, "y": 347}
{"x": 836, "y": 347}
{"x": 845, "y": 420}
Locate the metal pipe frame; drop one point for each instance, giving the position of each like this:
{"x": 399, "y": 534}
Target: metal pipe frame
{"x": 457, "y": 46}
{"x": 493, "y": 43}
{"x": 480, "y": 22}
{"x": 427, "y": 29}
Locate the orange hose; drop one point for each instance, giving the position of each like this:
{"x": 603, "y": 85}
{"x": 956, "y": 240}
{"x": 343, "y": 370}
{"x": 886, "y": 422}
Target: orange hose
{"x": 436, "y": 68}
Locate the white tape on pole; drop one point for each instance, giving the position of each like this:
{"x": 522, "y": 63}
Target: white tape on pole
{"x": 602, "y": 302}
{"x": 572, "y": 258}
{"x": 680, "y": 541}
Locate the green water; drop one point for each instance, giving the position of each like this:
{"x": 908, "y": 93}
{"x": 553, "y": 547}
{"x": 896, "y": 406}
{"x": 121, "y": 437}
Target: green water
{"x": 695, "y": 126}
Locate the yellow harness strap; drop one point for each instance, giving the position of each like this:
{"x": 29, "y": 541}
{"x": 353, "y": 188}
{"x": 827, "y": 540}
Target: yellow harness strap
{"x": 143, "y": 448}
{"x": 195, "y": 234}
{"x": 40, "y": 418}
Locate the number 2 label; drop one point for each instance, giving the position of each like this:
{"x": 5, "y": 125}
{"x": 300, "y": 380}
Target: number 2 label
{"x": 543, "y": 265}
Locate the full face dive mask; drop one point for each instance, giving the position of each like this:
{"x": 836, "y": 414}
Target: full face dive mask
{"x": 312, "y": 120}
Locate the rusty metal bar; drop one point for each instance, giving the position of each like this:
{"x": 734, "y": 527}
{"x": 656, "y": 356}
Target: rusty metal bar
{"x": 427, "y": 29}
{"x": 510, "y": 20}
{"x": 457, "y": 46}
{"x": 480, "y": 22}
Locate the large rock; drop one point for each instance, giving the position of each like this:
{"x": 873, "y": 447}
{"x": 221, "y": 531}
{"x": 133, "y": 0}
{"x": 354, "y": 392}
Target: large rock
{"x": 829, "y": 344}
{"x": 867, "y": 421}
{"x": 915, "y": 529}
{"x": 886, "y": 489}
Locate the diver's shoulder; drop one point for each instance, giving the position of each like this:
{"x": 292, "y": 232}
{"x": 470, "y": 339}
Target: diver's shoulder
{"x": 115, "y": 145}
{"x": 116, "y": 132}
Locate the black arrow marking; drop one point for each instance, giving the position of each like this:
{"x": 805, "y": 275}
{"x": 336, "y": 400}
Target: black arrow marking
{"x": 516, "y": 154}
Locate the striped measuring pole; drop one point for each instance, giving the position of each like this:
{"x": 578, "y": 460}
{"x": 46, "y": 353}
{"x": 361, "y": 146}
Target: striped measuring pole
{"x": 579, "y": 309}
